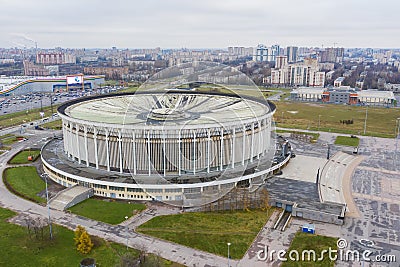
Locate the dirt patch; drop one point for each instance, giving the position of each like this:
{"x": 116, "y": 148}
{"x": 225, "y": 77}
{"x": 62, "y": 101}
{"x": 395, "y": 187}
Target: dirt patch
{"x": 316, "y": 105}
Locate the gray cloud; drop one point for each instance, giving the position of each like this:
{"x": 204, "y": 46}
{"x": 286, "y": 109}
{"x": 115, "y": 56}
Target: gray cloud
{"x": 206, "y": 23}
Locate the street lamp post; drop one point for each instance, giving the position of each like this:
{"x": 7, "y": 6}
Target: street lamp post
{"x": 397, "y": 136}
{"x": 365, "y": 122}
{"x": 229, "y": 244}
{"x": 48, "y": 207}
{"x": 126, "y": 229}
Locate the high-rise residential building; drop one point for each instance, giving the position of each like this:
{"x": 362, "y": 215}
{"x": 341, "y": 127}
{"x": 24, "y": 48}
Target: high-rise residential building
{"x": 280, "y": 62}
{"x": 279, "y": 76}
{"x": 299, "y": 74}
{"x": 240, "y": 51}
{"x": 332, "y": 54}
{"x": 109, "y": 72}
{"x": 291, "y": 53}
{"x": 275, "y": 51}
{"x": 266, "y": 54}
{"x": 261, "y": 53}
{"x": 54, "y": 58}
{"x": 30, "y": 69}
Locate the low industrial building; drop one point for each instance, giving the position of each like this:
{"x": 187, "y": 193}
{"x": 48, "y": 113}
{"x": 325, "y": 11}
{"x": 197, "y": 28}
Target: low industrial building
{"x": 344, "y": 95}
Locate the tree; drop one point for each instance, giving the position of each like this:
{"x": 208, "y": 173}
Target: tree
{"x": 77, "y": 233}
{"x": 82, "y": 240}
{"x": 35, "y": 226}
{"x": 85, "y": 243}
{"x": 264, "y": 197}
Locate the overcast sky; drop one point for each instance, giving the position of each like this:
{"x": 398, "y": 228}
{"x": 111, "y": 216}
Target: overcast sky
{"x": 199, "y": 23}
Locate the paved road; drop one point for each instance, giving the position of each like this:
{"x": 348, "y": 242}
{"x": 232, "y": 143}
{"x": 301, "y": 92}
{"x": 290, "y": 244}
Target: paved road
{"x": 21, "y": 130}
{"x": 276, "y": 97}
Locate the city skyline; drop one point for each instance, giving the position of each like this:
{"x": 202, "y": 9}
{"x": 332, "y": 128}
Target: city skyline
{"x": 205, "y": 24}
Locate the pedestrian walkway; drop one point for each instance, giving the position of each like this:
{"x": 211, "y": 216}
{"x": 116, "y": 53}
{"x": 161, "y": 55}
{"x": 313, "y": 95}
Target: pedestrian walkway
{"x": 262, "y": 240}
{"x": 331, "y": 180}
{"x": 152, "y": 211}
{"x": 70, "y": 197}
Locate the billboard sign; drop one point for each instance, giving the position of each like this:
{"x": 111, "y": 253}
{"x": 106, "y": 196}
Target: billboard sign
{"x": 74, "y": 79}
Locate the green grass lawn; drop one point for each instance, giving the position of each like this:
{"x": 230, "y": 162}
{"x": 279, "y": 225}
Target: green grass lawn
{"x": 22, "y": 157}
{"x": 55, "y": 125}
{"x": 25, "y": 182}
{"x": 18, "y": 249}
{"x": 381, "y": 122}
{"x": 116, "y": 211}
{"x": 304, "y": 241}
{"x": 24, "y": 116}
{"x": 347, "y": 141}
{"x": 209, "y": 231}
{"x": 130, "y": 89}
{"x": 9, "y": 139}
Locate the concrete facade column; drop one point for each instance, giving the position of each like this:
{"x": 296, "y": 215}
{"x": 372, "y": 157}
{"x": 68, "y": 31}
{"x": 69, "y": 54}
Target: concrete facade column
{"x": 134, "y": 151}
{"x": 71, "y": 135}
{"x": 259, "y": 139}
{"x": 221, "y": 156}
{"x": 148, "y": 151}
{"x": 208, "y": 150}
{"x": 179, "y": 152}
{"x": 96, "y": 156}
{"x": 233, "y": 147}
{"x": 77, "y": 143}
{"x": 244, "y": 143}
{"x": 164, "y": 156}
{"x": 120, "y": 151}
{"x": 107, "y": 150}
{"x": 86, "y": 145}
{"x": 252, "y": 142}
{"x": 194, "y": 152}
{"x": 264, "y": 137}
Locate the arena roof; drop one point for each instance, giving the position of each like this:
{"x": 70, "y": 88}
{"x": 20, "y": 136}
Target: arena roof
{"x": 167, "y": 109}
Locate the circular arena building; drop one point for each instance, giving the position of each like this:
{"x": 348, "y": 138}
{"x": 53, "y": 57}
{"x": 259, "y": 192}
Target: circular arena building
{"x": 166, "y": 134}
{"x": 176, "y": 145}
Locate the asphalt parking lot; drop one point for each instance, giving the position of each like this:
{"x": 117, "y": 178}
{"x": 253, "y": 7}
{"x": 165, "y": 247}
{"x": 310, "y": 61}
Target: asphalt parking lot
{"x": 11, "y": 104}
{"x": 376, "y": 190}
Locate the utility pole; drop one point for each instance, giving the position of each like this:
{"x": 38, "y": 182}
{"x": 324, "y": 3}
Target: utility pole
{"x": 229, "y": 256}
{"x": 48, "y": 206}
{"x": 328, "y": 152}
{"x": 397, "y": 136}
{"x": 126, "y": 229}
{"x": 51, "y": 103}
{"x": 319, "y": 121}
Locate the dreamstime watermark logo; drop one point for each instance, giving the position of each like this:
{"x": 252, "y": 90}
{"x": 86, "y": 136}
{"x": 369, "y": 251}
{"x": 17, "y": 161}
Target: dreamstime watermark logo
{"x": 341, "y": 253}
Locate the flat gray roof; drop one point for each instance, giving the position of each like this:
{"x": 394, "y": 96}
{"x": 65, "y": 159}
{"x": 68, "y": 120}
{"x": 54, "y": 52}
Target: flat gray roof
{"x": 304, "y": 168}
{"x": 192, "y": 109}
